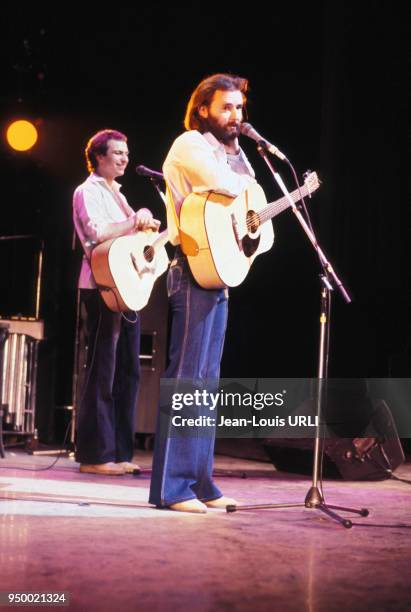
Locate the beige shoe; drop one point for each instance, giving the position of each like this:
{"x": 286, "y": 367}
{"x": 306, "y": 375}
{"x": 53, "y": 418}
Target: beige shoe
{"x": 129, "y": 468}
{"x": 107, "y": 469}
{"x": 191, "y": 505}
{"x": 221, "y": 502}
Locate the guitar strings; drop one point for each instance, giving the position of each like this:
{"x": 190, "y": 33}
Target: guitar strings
{"x": 276, "y": 208}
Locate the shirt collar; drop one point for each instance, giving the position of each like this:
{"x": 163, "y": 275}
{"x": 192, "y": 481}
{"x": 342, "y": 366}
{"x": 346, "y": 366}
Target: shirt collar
{"x": 96, "y": 178}
{"x": 216, "y": 144}
{"x": 212, "y": 140}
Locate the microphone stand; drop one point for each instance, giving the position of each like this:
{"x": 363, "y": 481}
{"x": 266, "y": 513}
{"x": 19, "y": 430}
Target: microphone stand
{"x": 156, "y": 186}
{"x": 329, "y": 280}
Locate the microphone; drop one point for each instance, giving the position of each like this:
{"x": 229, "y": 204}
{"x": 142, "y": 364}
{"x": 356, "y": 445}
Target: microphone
{"x": 248, "y": 130}
{"x": 152, "y": 174}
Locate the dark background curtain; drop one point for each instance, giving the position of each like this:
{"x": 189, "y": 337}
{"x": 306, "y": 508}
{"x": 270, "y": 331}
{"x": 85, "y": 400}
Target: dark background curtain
{"x": 328, "y": 86}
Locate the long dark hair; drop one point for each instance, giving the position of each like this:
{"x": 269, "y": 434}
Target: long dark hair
{"x": 203, "y": 95}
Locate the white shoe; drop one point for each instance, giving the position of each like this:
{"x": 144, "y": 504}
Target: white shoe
{"x": 190, "y": 505}
{"x": 129, "y": 468}
{"x": 107, "y": 469}
{"x": 221, "y": 502}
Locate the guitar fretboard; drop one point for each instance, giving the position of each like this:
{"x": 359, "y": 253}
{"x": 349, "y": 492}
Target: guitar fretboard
{"x": 277, "y": 207}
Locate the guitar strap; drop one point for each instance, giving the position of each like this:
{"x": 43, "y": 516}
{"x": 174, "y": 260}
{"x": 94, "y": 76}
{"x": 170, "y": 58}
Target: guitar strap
{"x": 171, "y": 210}
{"x": 188, "y": 245}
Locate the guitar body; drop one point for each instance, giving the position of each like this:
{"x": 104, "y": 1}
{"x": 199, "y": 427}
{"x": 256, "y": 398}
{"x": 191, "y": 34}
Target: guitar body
{"x": 125, "y": 269}
{"x": 220, "y": 248}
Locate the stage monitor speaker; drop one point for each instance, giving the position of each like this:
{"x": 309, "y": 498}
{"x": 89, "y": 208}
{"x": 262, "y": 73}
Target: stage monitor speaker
{"x": 372, "y": 457}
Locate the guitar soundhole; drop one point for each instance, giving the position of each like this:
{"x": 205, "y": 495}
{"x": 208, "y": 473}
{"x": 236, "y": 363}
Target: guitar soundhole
{"x": 148, "y": 252}
{"x": 253, "y": 222}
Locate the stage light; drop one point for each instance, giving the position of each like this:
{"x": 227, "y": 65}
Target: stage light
{"x": 21, "y": 135}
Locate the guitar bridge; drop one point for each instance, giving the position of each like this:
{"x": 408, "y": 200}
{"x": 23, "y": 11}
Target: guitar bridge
{"x": 236, "y": 233}
{"x": 134, "y": 262}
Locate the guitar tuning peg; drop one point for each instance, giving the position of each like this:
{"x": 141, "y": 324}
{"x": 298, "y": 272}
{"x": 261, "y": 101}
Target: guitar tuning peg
{"x": 306, "y": 174}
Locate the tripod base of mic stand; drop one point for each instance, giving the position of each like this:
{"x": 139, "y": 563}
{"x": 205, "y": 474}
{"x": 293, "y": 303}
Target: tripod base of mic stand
{"x": 314, "y": 500}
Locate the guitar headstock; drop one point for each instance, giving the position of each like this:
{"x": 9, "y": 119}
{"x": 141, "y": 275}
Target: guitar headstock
{"x": 311, "y": 181}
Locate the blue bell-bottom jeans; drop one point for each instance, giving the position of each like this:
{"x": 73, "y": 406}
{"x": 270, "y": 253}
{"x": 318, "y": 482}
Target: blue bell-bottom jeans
{"x": 182, "y": 465}
{"x": 107, "y": 401}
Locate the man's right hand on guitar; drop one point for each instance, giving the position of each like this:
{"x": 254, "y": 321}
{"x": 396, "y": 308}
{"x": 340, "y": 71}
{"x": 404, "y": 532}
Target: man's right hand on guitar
{"x": 143, "y": 220}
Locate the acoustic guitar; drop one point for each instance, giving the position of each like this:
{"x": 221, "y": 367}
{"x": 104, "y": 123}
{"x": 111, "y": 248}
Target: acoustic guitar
{"x": 222, "y": 236}
{"x": 126, "y": 268}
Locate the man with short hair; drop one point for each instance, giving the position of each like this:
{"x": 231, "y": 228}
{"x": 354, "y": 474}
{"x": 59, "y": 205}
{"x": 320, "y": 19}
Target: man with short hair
{"x": 107, "y": 401}
{"x": 207, "y": 157}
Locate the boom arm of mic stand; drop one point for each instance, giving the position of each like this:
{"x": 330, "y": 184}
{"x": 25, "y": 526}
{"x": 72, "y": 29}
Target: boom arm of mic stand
{"x": 161, "y": 193}
{"x": 328, "y": 269}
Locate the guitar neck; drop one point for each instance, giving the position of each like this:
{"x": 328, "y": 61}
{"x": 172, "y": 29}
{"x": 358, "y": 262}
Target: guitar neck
{"x": 275, "y": 208}
{"x": 161, "y": 240}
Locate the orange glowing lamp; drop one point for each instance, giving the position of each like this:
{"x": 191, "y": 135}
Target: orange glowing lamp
{"x": 21, "y": 135}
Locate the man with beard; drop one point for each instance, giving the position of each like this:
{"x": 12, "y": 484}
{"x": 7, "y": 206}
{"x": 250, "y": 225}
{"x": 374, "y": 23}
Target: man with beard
{"x": 207, "y": 157}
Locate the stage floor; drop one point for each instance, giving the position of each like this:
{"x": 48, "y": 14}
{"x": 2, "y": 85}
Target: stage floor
{"x": 97, "y": 538}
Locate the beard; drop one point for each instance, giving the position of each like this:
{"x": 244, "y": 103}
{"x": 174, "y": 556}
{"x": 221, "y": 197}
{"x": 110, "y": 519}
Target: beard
{"x": 224, "y": 134}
